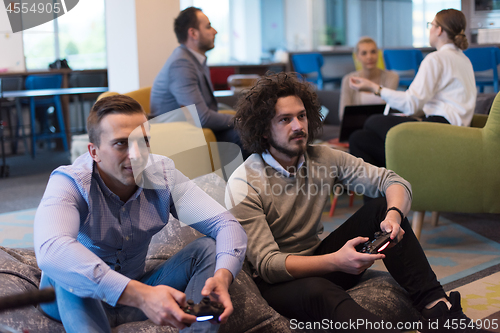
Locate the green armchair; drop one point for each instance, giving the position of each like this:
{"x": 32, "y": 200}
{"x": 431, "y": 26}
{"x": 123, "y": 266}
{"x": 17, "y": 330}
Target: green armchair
{"x": 450, "y": 168}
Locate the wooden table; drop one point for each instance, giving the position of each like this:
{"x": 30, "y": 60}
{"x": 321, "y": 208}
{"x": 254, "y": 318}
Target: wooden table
{"x": 66, "y": 74}
{"x": 52, "y": 92}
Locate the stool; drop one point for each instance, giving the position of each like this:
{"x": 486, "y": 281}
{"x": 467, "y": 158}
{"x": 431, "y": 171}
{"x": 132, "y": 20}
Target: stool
{"x": 334, "y": 197}
{"x": 46, "y": 82}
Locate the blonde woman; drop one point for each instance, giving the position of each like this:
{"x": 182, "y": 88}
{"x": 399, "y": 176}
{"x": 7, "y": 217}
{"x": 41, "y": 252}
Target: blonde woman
{"x": 366, "y": 52}
{"x": 444, "y": 89}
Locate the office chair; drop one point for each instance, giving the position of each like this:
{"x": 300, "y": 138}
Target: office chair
{"x": 403, "y": 61}
{"x": 45, "y": 82}
{"x": 483, "y": 59}
{"x": 307, "y": 63}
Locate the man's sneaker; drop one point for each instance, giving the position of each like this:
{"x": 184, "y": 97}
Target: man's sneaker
{"x": 441, "y": 319}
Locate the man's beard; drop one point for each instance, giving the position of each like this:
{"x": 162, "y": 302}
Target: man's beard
{"x": 206, "y": 46}
{"x": 285, "y": 150}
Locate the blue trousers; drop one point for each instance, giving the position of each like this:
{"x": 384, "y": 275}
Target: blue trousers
{"x": 186, "y": 271}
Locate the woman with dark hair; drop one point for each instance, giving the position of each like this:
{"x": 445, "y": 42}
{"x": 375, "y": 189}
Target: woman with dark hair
{"x": 444, "y": 89}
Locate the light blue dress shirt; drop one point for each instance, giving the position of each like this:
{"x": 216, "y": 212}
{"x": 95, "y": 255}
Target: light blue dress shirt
{"x": 93, "y": 244}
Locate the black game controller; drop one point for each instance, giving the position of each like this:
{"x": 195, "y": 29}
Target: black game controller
{"x": 205, "y": 310}
{"x": 378, "y": 244}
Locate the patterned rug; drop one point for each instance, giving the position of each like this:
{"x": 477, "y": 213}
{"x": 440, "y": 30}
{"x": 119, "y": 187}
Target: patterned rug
{"x": 453, "y": 251}
{"x": 16, "y": 228}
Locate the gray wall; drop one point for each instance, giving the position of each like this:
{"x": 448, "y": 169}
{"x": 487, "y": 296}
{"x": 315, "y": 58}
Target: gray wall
{"x": 388, "y": 22}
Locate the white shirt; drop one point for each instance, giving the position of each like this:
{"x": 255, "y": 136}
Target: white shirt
{"x": 369, "y": 98}
{"x": 200, "y": 57}
{"x": 444, "y": 86}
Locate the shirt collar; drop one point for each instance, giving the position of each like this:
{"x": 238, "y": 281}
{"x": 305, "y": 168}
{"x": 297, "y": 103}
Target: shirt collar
{"x": 270, "y": 160}
{"x": 105, "y": 189}
{"x": 449, "y": 46}
{"x": 200, "y": 57}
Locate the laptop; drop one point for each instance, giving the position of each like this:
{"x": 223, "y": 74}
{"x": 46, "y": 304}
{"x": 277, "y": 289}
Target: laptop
{"x": 355, "y": 117}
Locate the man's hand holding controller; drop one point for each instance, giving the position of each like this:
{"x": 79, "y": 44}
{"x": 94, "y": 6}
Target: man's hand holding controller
{"x": 164, "y": 305}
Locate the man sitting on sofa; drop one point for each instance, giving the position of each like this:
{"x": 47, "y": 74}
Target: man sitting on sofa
{"x": 185, "y": 78}
{"x": 279, "y": 194}
{"x": 96, "y": 220}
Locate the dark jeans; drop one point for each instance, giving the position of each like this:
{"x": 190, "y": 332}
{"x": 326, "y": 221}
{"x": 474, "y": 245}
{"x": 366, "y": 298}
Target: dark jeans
{"x": 369, "y": 142}
{"x": 318, "y": 298}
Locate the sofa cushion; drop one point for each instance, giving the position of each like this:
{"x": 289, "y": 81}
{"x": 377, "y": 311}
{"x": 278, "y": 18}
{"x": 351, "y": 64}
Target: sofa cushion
{"x": 380, "y": 294}
{"x": 251, "y": 314}
{"x": 19, "y": 274}
{"x": 484, "y": 102}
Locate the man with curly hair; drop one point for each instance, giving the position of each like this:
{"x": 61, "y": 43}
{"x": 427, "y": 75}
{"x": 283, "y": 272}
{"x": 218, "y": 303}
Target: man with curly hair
{"x": 279, "y": 194}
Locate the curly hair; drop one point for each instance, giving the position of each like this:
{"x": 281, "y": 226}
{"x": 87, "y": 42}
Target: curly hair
{"x": 256, "y": 109}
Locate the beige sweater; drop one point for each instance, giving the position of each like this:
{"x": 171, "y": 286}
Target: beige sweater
{"x": 281, "y": 215}
{"x": 349, "y": 96}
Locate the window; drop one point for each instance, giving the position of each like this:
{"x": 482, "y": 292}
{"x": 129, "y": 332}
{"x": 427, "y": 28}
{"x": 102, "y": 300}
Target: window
{"x": 238, "y": 25}
{"x": 423, "y": 12}
{"x": 217, "y": 12}
{"x": 297, "y": 25}
{"x": 78, "y": 36}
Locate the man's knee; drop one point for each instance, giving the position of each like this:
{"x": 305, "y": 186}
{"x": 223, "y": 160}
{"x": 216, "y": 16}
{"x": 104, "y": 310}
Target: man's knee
{"x": 49, "y": 309}
{"x": 318, "y": 288}
{"x": 206, "y": 242}
{"x": 374, "y": 122}
{"x": 379, "y": 203}
{"x": 357, "y": 139}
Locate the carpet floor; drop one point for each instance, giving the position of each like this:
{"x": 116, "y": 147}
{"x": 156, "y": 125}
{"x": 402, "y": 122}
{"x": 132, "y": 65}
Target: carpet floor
{"x": 463, "y": 250}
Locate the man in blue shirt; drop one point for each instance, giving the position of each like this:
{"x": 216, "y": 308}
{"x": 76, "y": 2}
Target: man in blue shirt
{"x": 96, "y": 220}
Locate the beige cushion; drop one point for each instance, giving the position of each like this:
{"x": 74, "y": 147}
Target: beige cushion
{"x": 186, "y": 145}
{"x": 79, "y": 145}
{"x": 239, "y": 82}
